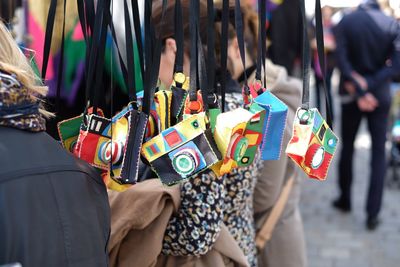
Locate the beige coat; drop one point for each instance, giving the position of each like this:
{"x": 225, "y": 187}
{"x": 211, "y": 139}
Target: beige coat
{"x": 139, "y": 217}
{"x": 286, "y": 247}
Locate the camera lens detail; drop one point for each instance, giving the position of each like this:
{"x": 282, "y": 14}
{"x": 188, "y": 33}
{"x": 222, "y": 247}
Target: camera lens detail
{"x": 185, "y": 162}
{"x": 106, "y": 153}
{"x": 237, "y": 147}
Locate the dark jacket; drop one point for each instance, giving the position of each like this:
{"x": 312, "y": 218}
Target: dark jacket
{"x": 54, "y": 208}
{"x": 366, "y": 39}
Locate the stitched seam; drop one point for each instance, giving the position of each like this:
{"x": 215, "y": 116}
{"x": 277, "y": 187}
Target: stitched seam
{"x": 43, "y": 170}
{"x": 63, "y": 228}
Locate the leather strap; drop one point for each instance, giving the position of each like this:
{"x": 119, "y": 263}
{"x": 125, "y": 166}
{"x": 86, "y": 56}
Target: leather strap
{"x": 262, "y": 38}
{"x": 321, "y": 57}
{"x": 49, "y": 36}
{"x": 307, "y": 58}
{"x": 179, "y": 36}
{"x": 153, "y": 55}
{"x": 47, "y": 46}
{"x": 240, "y": 38}
{"x": 265, "y": 233}
{"x": 224, "y": 50}
{"x": 138, "y": 33}
{"x": 210, "y": 51}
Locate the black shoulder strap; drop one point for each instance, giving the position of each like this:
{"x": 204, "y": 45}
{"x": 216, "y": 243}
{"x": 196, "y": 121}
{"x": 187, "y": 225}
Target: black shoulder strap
{"x": 224, "y": 50}
{"x": 210, "y": 52}
{"x": 262, "y": 38}
{"x": 240, "y": 38}
{"x": 153, "y": 58}
{"x": 138, "y": 34}
{"x": 49, "y": 36}
{"x": 307, "y": 59}
{"x": 96, "y": 62}
{"x": 198, "y": 76}
{"x": 179, "y": 36}
{"x": 321, "y": 57}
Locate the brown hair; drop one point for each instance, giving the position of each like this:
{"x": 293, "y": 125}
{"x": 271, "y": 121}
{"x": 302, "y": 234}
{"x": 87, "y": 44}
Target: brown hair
{"x": 167, "y": 29}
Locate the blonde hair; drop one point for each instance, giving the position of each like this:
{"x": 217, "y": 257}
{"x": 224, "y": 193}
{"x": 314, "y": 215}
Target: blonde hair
{"x": 12, "y": 60}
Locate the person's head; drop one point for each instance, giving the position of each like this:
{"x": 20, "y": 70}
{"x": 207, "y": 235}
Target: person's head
{"x": 12, "y": 60}
{"x": 250, "y": 34}
{"x": 327, "y": 12}
{"x": 167, "y": 33}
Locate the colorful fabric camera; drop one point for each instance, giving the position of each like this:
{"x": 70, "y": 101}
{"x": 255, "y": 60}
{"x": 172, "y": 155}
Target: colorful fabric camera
{"x": 182, "y": 151}
{"x": 128, "y": 129}
{"x": 68, "y": 130}
{"x": 274, "y": 123}
{"x": 163, "y": 102}
{"x": 179, "y": 88}
{"x": 229, "y": 134}
{"x": 94, "y": 140}
{"x": 313, "y": 143}
{"x": 112, "y": 145}
{"x": 254, "y": 133}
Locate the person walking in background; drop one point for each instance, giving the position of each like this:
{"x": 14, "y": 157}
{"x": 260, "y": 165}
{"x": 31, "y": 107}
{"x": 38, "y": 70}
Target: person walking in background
{"x": 330, "y": 46}
{"x": 368, "y": 55}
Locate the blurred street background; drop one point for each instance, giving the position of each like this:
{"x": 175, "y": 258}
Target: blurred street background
{"x": 335, "y": 239}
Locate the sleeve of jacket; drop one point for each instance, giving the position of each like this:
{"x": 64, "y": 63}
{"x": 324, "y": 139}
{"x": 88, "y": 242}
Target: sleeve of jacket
{"x": 194, "y": 229}
{"x": 388, "y": 71}
{"x": 272, "y": 178}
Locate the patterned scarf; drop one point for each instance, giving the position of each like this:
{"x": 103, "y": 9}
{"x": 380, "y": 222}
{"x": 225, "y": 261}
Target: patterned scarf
{"x": 17, "y": 108}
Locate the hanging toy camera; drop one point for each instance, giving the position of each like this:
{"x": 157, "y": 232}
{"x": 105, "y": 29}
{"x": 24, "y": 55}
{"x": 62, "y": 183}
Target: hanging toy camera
{"x": 68, "y": 131}
{"x": 182, "y": 151}
{"x": 313, "y": 143}
{"x": 128, "y": 128}
{"x": 253, "y": 133}
{"x": 94, "y": 135}
{"x": 274, "y": 123}
{"x": 179, "y": 89}
{"x": 229, "y": 134}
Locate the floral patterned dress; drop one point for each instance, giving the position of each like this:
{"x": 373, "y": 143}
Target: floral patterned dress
{"x": 208, "y": 201}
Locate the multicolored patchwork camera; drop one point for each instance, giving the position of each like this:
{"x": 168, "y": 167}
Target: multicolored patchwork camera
{"x": 229, "y": 134}
{"x": 93, "y": 142}
{"x": 274, "y": 124}
{"x": 179, "y": 88}
{"x": 68, "y": 130}
{"x": 253, "y": 133}
{"x": 163, "y": 102}
{"x": 123, "y": 150}
{"x": 313, "y": 143}
{"x": 182, "y": 151}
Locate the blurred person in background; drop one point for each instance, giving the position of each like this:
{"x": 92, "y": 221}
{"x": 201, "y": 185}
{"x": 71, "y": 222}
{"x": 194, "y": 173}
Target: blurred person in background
{"x": 285, "y": 34}
{"x": 368, "y": 55}
{"x": 53, "y": 207}
{"x": 287, "y": 245}
{"x": 330, "y": 59}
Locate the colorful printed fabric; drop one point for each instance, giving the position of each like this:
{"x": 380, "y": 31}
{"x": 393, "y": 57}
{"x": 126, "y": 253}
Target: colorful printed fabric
{"x": 238, "y": 212}
{"x": 17, "y": 107}
{"x": 208, "y": 201}
{"x": 239, "y": 185}
{"x": 195, "y": 228}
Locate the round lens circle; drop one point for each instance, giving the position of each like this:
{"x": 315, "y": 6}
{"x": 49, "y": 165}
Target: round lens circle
{"x": 185, "y": 162}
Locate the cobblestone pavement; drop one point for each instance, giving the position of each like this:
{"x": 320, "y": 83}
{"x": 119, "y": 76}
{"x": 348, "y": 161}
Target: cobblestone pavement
{"x": 335, "y": 239}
